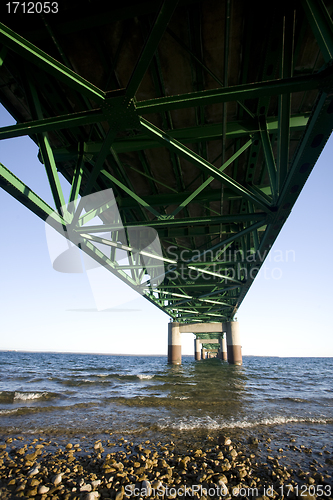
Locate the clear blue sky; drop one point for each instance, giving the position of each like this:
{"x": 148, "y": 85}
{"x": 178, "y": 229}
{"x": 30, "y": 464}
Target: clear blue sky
{"x": 285, "y": 313}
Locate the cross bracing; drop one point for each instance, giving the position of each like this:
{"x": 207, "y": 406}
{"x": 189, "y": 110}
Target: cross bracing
{"x": 205, "y": 118}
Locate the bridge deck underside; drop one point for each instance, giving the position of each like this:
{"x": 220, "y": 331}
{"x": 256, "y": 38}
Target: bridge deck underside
{"x": 204, "y": 117}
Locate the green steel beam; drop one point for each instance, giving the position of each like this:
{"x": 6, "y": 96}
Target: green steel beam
{"x": 47, "y": 155}
{"x": 77, "y": 180}
{"x": 203, "y": 164}
{"x": 139, "y": 142}
{"x": 222, "y": 243}
{"x": 238, "y": 92}
{"x": 322, "y": 26}
{"x": 52, "y": 174}
{"x": 133, "y": 195}
{"x": 3, "y": 53}
{"x": 54, "y": 123}
{"x": 209, "y": 180}
{"x": 150, "y": 46}
{"x": 37, "y": 56}
{"x": 21, "y": 192}
{"x": 314, "y": 139}
{"x": 284, "y": 100}
{"x": 186, "y": 222}
{"x": 269, "y": 157}
{"x": 95, "y": 212}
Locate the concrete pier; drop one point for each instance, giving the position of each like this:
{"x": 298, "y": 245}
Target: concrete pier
{"x": 174, "y": 344}
{"x": 223, "y": 348}
{"x": 230, "y": 346}
{"x": 234, "y": 347}
{"x": 197, "y": 349}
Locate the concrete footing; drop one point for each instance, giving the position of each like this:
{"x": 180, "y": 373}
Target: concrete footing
{"x": 234, "y": 347}
{"x": 174, "y": 344}
{"x": 230, "y": 346}
{"x": 197, "y": 349}
{"x": 223, "y": 349}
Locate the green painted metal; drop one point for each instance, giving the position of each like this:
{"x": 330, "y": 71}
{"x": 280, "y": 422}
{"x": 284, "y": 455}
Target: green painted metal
{"x": 150, "y": 46}
{"x": 240, "y": 92}
{"x": 29, "y": 51}
{"x": 145, "y": 109}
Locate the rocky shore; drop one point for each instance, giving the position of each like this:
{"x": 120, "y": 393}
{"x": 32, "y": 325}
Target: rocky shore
{"x": 44, "y": 469}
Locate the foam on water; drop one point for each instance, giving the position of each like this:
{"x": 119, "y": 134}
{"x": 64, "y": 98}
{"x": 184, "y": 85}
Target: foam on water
{"x": 25, "y": 396}
{"x": 120, "y": 393}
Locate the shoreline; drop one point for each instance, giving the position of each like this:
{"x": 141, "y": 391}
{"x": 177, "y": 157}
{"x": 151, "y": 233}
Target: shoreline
{"x": 113, "y": 467}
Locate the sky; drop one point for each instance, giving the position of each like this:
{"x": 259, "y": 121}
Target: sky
{"x": 285, "y": 313}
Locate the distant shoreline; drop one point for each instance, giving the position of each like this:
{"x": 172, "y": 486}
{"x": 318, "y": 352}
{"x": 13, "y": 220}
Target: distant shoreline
{"x": 153, "y": 355}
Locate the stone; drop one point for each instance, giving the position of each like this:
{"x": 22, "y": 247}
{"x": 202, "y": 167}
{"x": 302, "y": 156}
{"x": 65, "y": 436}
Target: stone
{"x": 120, "y": 494}
{"x": 86, "y": 487}
{"x": 34, "y": 471}
{"x": 43, "y": 489}
{"x": 57, "y": 479}
{"x": 93, "y": 495}
{"x": 21, "y": 486}
{"x": 145, "y": 488}
{"x": 34, "y": 482}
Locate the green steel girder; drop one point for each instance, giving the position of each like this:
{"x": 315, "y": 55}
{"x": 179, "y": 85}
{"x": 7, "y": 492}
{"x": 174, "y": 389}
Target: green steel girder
{"x": 239, "y": 92}
{"x": 150, "y": 46}
{"x": 103, "y": 139}
{"x": 203, "y": 164}
{"x": 32, "y": 53}
{"x": 207, "y": 132}
{"x": 322, "y": 26}
{"x": 16, "y": 188}
{"x": 186, "y": 222}
{"x": 54, "y": 123}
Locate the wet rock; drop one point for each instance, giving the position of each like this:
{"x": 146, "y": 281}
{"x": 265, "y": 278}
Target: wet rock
{"x": 34, "y": 471}
{"x": 96, "y": 483}
{"x": 86, "y": 487}
{"x": 120, "y": 494}
{"x": 57, "y": 479}
{"x": 43, "y": 489}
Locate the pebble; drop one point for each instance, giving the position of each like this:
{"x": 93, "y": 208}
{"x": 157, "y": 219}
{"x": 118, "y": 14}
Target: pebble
{"x": 57, "y": 479}
{"x": 93, "y": 495}
{"x": 86, "y": 487}
{"x": 94, "y": 474}
{"x": 43, "y": 489}
{"x": 33, "y": 471}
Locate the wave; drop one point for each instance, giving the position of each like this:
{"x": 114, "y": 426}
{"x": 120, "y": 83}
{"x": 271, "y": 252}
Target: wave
{"x": 143, "y": 376}
{"x": 209, "y": 423}
{"x": 14, "y": 396}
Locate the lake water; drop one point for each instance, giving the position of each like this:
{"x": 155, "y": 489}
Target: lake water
{"x": 142, "y": 397}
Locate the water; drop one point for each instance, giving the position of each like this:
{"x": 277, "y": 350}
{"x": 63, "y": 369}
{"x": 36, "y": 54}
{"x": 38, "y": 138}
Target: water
{"x": 142, "y": 397}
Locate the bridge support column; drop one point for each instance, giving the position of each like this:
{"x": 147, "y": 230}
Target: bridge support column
{"x": 203, "y": 353}
{"x": 223, "y": 348}
{"x": 174, "y": 344}
{"x": 197, "y": 349}
{"x": 234, "y": 347}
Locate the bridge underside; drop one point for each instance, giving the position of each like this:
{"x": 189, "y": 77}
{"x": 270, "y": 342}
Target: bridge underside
{"x": 205, "y": 118}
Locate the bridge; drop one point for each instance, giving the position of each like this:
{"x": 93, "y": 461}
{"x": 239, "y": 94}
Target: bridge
{"x": 186, "y": 128}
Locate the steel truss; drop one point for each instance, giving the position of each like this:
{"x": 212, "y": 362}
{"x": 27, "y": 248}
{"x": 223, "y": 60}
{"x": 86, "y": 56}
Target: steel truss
{"x": 206, "y": 132}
